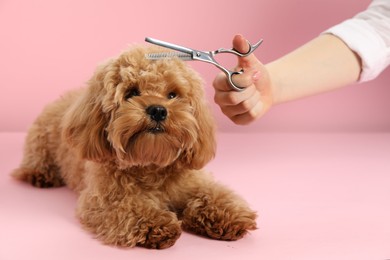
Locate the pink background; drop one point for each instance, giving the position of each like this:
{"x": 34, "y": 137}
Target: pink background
{"x": 48, "y": 47}
{"x": 322, "y": 195}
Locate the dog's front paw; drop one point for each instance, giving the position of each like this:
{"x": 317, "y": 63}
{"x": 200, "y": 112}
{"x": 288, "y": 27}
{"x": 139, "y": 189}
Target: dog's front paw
{"x": 47, "y": 178}
{"x": 160, "y": 232}
{"x": 161, "y": 237}
{"x": 117, "y": 226}
{"x": 224, "y": 221}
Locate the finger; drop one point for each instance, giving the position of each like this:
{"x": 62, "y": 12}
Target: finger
{"x": 245, "y": 106}
{"x": 221, "y": 83}
{"x": 240, "y": 44}
{"x": 232, "y": 98}
{"x": 250, "y": 116}
{"x": 242, "y": 80}
{"x": 245, "y": 79}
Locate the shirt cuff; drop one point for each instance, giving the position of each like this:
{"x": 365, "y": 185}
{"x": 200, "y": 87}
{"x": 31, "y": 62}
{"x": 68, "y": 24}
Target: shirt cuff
{"x": 364, "y": 40}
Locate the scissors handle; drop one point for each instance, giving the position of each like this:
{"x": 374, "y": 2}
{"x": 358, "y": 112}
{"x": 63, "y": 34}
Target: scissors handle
{"x": 229, "y": 74}
{"x": 252, "y": 48}
{"x": 208, "y": 56}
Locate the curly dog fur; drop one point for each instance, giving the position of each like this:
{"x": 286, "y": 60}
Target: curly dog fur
{"x": 132, "y": 145}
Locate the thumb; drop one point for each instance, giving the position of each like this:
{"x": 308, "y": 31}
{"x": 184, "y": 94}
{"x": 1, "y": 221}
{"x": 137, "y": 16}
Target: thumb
{"x": 241, "y": 45}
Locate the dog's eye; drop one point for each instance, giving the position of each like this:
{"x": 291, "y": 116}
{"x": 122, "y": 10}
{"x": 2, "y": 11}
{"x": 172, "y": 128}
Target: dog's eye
{"x": 171, "y": 95}
{"x": 132, "y": 92}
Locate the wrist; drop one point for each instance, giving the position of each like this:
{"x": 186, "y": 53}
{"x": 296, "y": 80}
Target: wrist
{"x": 273, "y": 83}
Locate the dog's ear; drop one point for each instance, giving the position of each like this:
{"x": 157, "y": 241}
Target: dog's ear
{"x": 204, "y": 149}
{"x": 83, "y": 125}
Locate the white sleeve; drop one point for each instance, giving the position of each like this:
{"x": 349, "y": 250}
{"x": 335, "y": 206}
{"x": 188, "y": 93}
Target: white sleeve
{"x": 368, "y": 34}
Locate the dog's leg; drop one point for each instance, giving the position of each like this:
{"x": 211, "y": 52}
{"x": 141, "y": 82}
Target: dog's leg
{"x": 122, "y": 219}
{"x": 130, "y": 223}
{"x": 38, "y": 166}
{"x": 217, "y": 212}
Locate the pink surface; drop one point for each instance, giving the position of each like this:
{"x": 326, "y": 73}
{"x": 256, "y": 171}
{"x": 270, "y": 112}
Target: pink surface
{"x": 48, "y": 47}
{"x": 319, "y": 196}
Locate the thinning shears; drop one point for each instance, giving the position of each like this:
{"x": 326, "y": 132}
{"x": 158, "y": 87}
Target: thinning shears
{"x": 185, "y": 53}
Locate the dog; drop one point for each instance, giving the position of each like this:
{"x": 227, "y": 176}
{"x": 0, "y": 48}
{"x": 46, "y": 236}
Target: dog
{"x": 132, "y": 144}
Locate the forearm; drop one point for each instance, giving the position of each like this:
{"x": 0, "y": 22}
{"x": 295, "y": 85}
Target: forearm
{"x": 321, "y": 65}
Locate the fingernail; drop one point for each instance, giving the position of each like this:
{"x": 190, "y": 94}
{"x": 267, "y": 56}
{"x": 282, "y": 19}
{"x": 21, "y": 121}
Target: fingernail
{"x": 256, "y": 76}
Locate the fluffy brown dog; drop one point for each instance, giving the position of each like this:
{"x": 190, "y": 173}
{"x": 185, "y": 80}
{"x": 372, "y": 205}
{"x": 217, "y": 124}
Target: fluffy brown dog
{"x": 132, "y": 145}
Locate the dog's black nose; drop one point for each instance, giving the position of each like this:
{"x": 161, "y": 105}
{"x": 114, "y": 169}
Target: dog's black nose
{"x": 157, "y": 113}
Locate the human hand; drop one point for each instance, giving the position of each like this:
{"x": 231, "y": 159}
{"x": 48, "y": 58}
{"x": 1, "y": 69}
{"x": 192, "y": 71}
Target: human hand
{"x": 246, "y": 106}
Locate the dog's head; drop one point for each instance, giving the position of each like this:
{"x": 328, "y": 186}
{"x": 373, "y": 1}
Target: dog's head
{"x": 139, "y": 112}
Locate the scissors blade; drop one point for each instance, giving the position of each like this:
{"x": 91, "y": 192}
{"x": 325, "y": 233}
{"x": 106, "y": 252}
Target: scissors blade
{"x": 170, "y": 45}
{"x": 169, "y": 55}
